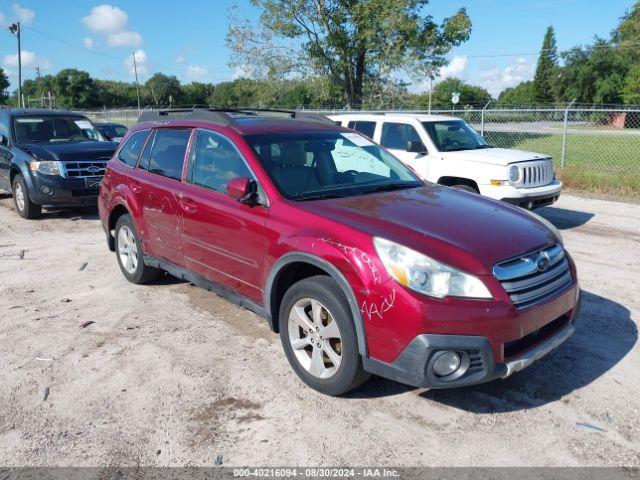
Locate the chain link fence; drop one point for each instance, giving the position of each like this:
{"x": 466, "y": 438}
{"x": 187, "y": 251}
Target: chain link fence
{"x": 594, "y": 150}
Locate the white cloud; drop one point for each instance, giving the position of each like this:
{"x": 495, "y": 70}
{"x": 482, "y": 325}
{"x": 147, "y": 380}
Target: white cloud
{"x": 496, "y": 79}
{"x": 1, "y": 19}
{"x": 29, "y": 60}
{"x": 241, "y": 71}
{"x": 455, "y": 68}
{"x": 112, "y": 23}
{"x": 180, "y": 59}
{"x": 125, "y": 38}
{"x": 196, "y": 72}
{"x": 142, "y": 63}
{"x": 24, "y": 14}
{"x": 88, "y": 42}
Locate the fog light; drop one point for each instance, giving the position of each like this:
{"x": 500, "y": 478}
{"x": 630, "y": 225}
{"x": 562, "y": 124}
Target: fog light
{"x": 46, "y": 190}
{"x": 446, "y": 363}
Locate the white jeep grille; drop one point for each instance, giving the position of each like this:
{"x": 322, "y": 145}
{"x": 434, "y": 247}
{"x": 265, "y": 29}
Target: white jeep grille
{"x": 536, "y": 173}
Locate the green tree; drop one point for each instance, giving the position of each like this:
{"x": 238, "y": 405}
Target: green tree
{"x": 631, "y": 87}
{"x": 197, "y": 93}
{"x": 521, "y": 94}
{"x": 470, "y": 95}
{"x": 75, "y": 89}
{"x": 547, "y": 69}
{"x": 4, "y": 87}
{"x": 164, "y": 89}
{"x": 350, "y": 42}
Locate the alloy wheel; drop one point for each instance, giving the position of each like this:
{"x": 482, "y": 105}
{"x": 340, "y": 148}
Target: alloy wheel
{"x": 127, "y": 249}
{"x": 315, "y": 338}
{"x": 18, "y": 193}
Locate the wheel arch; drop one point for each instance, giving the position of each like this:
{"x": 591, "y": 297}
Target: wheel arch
{"x": 295, "y": 266}
{"x": 450, "y": 181}
{"x": 117, "y": 211}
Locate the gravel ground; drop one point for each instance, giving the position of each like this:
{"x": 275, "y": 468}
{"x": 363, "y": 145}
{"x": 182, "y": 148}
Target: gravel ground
{"x": 169, "y": 374}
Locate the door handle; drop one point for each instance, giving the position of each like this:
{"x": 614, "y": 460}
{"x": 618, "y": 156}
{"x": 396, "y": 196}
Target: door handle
{"x": 135, "y": 188}
{"x": 188, "y": 205}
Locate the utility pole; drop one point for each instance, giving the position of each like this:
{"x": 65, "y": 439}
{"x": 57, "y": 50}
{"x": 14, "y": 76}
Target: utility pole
{"x": 430, "y": 91}
{"x": 135, "y": 69}
{"x": 40, "y": 86}
{"x": 14, "y": 28}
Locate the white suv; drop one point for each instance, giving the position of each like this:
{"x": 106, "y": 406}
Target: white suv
{"x": 446, "y": 150}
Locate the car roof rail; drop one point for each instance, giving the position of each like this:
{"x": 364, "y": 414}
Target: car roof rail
{"x": 220, "y": 117}
{"x": 297, "y": 115}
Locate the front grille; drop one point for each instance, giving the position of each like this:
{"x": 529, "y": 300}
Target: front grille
{"x": 535, "y": 174}
{"x": 83, "y": 169}
{"x": 534, "y": 277}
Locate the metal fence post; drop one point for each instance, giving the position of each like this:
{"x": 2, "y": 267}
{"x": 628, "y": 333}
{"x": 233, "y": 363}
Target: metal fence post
{"x": 564, "y": 134}
{"x": 482, "y": 118}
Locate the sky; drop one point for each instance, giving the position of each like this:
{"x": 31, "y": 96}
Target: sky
{"x": 187, "y": 39}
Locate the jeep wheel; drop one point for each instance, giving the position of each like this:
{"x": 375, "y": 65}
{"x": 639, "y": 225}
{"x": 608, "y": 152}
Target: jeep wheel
{"x": 465, "y": 188}
{"x": 24, "y": 206}
{"x": 129, "y": 253}
{"x": 319, "y": 338}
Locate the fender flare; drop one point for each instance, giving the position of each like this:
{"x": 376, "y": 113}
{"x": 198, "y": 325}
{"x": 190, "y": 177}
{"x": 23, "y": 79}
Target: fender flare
{"x": 24, "y": 171}
{"x": 334, "y": 273}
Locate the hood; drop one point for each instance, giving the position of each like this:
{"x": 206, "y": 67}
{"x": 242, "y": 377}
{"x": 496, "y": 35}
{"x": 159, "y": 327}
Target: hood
{"x": 494, "y": 156}
{"x": 462, "y": 229}
{"x": 73, "y": 151}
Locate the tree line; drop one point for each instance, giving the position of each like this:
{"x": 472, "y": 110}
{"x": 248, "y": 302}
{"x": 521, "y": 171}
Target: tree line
{"x": 344, "y": 56}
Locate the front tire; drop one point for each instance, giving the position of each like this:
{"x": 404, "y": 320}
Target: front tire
{"x": 24, "y": 206}
{"x": 319, "y": 338}
{"x": 129, "y": 253}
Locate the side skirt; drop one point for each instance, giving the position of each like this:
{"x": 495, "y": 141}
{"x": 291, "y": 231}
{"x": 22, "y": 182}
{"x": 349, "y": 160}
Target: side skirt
{"x": 224, "y": 292}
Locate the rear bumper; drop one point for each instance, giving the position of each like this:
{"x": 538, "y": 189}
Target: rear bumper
{"x": 51, "y": 191}
{"x": 414, "y": 365}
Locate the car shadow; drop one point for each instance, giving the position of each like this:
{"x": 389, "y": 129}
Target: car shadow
{"x": 84, "y": 213}
{"x": 604, "y": 335}
{"x": 564, "y": 219}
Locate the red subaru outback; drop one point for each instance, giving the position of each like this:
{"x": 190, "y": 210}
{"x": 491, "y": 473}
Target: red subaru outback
{"x": 358, "y": 265}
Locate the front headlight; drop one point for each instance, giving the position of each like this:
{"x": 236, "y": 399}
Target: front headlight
{"x": 426, "y": 275}
{"x": 514, "y": 174}
{"x": 47, "y": 167}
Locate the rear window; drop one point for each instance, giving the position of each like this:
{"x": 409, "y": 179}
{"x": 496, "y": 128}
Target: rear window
{"x": 130, "y": 151}
{"x": 364, "y": 127}
{"x": 167, "y": 155}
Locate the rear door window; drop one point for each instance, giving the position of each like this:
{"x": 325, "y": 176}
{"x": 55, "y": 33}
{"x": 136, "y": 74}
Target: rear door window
{"x": 167, "y": 153}
{"x": 130, "y": 151}
{"x": 364, "y": 127}
{"x": 396, "y": 135}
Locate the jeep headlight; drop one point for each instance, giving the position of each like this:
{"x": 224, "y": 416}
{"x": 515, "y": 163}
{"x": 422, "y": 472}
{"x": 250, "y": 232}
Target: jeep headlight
{"x": 514, "y": 174}
{"x": 46, "y": 167}
{"x": 426, "y": 275}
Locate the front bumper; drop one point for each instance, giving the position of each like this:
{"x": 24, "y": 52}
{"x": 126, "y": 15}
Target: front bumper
{"x": 53, "y": 191}
{"x": 525, "y": 197}
{"x": 414, "y": 365}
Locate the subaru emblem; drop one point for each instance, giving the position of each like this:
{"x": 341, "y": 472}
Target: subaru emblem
{"x": 543, "y": 262}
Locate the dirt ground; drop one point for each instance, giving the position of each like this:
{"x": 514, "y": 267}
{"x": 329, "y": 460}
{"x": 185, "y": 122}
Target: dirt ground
{"x": 170, "y": 375}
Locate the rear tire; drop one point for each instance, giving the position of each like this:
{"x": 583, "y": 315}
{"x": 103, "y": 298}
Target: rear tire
{"x": 24, "y": 206}
{"x": 465, "y": 188}
{"x": 318, "y": 335}
{"x": 129, "y": 253}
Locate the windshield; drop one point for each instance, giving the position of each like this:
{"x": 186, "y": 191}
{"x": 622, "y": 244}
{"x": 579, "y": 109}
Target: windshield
{"x": 312, "y": 165}
{"x": 54, "y": 128}
{"x": 454, "y": 135}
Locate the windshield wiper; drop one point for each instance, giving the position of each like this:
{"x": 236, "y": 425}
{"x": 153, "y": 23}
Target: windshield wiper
{"x": 319, "y": 196}
{"x": 480, "y": 147}
{"x": 390, "y": 186}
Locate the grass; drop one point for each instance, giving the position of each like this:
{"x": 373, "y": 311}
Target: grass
{"x": 608, "y": 164}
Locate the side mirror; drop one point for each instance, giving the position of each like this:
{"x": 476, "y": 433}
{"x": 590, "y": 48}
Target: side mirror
{"x": 244, "y": 190}
{"x": 416, "y": 146}
{"x": 4, "y": 141}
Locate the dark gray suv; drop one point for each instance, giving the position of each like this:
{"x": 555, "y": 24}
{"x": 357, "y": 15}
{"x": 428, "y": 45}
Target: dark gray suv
{"x": 50, "y": 159}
